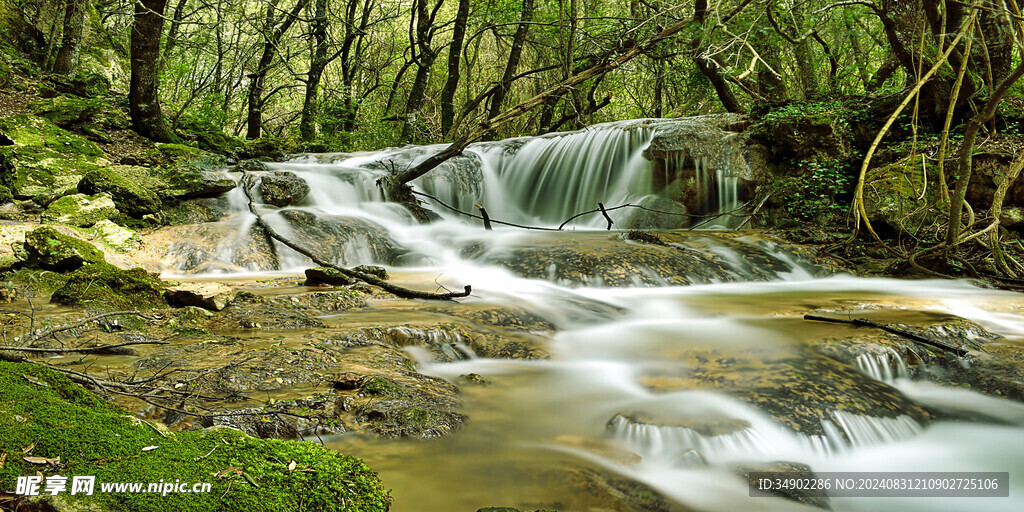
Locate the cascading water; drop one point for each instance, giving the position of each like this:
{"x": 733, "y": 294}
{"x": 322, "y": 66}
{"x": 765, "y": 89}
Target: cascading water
{"x": 668, "y": 386}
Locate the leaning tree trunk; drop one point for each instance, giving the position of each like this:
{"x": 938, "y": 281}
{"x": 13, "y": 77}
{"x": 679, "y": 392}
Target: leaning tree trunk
{"x": 454, "y": 54}
{"x": 66, "y": 62}
{"x": 514, "y": 55}
{"x": 143, "y": 95}
{"x": 307, "y": 129}
{"x": 272, "y": 33}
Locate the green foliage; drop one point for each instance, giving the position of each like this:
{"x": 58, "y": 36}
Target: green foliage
{"x": 820, "y": 194}
{"x": 93, "y": 437}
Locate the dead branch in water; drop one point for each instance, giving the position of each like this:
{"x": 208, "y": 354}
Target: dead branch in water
{"x": 405, "y": 293}
{"x": 863, "y": 322}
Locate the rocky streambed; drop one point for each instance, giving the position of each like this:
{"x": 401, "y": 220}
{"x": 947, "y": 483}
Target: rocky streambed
{"x": 544, "y": 391}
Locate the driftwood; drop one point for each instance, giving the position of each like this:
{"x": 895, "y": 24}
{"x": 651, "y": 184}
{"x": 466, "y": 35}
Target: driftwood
{"x": 405, "y": 293}
{"x": 862, "y": 322}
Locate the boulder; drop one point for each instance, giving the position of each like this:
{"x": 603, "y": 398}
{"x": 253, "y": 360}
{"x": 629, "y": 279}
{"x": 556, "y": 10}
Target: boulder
{"x": 283, "y": 188}
{"x": 891, "y": 197}
{"x": 131, "y": 197}
{"x": 46, "y": 248}
{"x": 106, "y": 287}
{"x": 119, "y": 238}
{"x": 212, "y": 296}
{"x": 676, "y": 216}
{"x": 326, "y": 276}
{"x": 373, "y": 270}
{"x": 80, "y": 210}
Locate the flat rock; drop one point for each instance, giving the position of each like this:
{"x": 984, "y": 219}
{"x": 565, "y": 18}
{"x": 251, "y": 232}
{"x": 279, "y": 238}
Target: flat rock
{"x": 212, "y": 296}
{"x": 326, "y": 276}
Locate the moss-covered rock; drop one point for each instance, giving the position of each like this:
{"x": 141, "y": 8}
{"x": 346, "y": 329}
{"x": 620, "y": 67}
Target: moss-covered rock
{"x": 94, "y": 437}
{"x": 73, "y": 111}
{"x": 116, "y": 237}
{"x": 48, "y": 249}
{"x": 130, "y": 196}
{"x": 106, "y": 287}
{"x": 283, "y": 188}
{"x": 320, "y": 276}
{"x": 808, "y": 130}
{"x": 44, "y": 159}
{"x": 896, "y": 200}
{"x": 80, "y": 210}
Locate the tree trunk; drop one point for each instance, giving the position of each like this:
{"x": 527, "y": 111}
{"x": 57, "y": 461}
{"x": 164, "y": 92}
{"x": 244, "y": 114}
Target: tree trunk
{"x": 272, "y": 32}
{"x": 393, "y": 184}
{"x": 514, "y": 54}
{"x": 708, "y": 67}
{"x": 66, "y": 62}
{"x": 172, "y": 31}
{"x": 424, "y": 56}
{"x": 454, "y": 55}
{"x": 307, "y": 127}
{"x": 143, "y": 95}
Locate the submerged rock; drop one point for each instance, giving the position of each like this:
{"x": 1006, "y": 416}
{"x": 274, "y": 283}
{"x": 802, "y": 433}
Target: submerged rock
{"x": 597, "y": 259}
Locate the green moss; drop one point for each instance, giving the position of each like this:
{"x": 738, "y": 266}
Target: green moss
{"x": 80, "y": 209}
{"x": 35, "y": 282}
{"x": 381, "y": 386}
{"x": 127, "y": 190}
{"x": 48, "y": 249}
{"x": 106, "y": 287}
{"x": 45, "y": 160}
{"x": 68, "y": 111}
{"x": 93, "y": 437}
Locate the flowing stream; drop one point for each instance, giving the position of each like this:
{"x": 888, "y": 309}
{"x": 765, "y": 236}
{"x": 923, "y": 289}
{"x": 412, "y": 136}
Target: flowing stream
{"x": 619, "y": 396}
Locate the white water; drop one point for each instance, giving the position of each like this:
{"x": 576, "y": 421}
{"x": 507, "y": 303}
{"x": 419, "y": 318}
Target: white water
{"x": 613, "y": 346}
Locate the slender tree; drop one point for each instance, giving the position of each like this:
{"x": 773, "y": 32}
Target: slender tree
{"x": 143, "y": 95}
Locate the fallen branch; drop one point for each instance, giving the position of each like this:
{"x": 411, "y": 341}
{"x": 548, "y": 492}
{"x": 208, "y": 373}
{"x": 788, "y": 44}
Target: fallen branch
{"x": 862, "y": 322}
{"x": 405, "y": 293}
{"x": 87, "y": 350}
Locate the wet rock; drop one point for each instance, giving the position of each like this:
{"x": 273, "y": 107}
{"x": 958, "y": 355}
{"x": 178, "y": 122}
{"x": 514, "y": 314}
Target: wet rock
{"x": 251, "y": 165}
{"x": 119, "y": 238}
{"x": 595, "y": 259}
{"x": 992, "y": 366}
{"x": 669, "y": 215}
{"x": 373, "y": 270}
{"x": 342, "y": 240}
{"x": 347, "y": 381}
{"x": 208, "y": 295}
{"x": 283, "y": 188}
{"x": 320, "y": 276}
{"x": 80, "y": 210}
{"x": 250, "y": 311}
{"x": 46, "y": 248}
{"x": 130, "y": 196}
{"x": 194, "y": 173}
{"x": 802, "y": 390}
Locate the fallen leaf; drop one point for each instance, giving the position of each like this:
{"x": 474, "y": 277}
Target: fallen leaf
{"x": 35, "y": 381}
{"x": 41, "y": 460}
{"x": 149, "y": 448}
{"x": 28, "y": 448}
{"x": 20, "y": 419}
{"x": 291, "y": 466}
{"x": 229, "y": 471}
{"x": 3, "y": 460}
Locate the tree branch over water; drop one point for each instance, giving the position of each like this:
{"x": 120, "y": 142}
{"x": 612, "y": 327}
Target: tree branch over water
{"x": 405, "y": 293}
{"x": 392, "y": 183}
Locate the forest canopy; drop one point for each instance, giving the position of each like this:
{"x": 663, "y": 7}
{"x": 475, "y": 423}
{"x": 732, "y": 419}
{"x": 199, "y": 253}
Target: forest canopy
{"x": 350, "y": 74}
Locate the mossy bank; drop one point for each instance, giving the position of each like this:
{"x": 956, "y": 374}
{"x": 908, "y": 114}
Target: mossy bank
{"x": 43, "y": 415}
